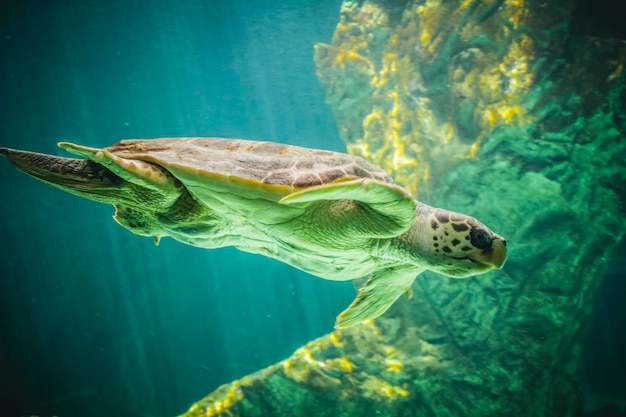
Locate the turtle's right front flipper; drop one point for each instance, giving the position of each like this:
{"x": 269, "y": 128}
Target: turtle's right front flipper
{"x": 81, "y": 177}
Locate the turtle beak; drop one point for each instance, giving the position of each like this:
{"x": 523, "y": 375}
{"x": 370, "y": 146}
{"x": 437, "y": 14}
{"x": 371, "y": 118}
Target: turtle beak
{"x": 496, "y": 255}
{"x": 492, "y": 257}
{"x": 84, "y": 178}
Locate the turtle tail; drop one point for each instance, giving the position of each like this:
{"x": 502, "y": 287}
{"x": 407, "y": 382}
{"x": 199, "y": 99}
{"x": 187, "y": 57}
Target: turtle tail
{"x": 81, "y": 177}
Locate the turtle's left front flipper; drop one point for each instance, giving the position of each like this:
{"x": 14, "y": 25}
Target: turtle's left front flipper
{"x": 77, "y": 176}
{"x": 377, "y": 295}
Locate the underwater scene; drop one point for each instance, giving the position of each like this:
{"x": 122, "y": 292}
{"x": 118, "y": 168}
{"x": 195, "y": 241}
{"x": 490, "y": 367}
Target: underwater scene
{"x": 416, "y": 208}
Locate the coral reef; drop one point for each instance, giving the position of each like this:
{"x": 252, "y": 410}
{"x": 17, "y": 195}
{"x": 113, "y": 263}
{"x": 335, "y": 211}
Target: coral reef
{"x": 493, "y": 109}
{"x": 437, "y": 84}
{"x": 352, "y": 372}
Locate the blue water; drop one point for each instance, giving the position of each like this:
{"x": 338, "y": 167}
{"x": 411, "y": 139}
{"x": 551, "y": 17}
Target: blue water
{"x": 95, "y": 321}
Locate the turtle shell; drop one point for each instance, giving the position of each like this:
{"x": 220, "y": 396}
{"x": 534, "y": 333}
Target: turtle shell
{"x": 265, "y": 167}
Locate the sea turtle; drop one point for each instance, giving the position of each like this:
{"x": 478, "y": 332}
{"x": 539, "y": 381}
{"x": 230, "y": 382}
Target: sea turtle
{"x": 330, "y": 214}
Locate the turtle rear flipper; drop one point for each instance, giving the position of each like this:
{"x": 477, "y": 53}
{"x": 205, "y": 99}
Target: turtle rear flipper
{"x": 377, "y": 295}
{"x": 81, "y": 177}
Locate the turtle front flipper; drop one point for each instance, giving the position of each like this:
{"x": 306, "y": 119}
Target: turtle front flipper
{"x": 377, "y": 295}
{"x": 386, "y": 210}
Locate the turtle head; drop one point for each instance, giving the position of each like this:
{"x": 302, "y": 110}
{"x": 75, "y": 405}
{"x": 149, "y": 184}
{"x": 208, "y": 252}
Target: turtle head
{"x": 459, "y": 246}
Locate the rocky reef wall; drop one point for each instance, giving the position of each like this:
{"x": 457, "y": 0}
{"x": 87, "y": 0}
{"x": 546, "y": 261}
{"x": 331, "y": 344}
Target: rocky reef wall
{"x": 493, "y": 109}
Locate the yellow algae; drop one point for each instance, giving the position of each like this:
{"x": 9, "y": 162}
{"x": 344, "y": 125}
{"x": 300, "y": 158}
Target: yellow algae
{"x": 234, "y": 395}
{"x": 389, "y": 351}
{"x": 514, "y": 67}
{"x": 372, "y": 15}
{"x": 394, "y": 365}
{"x": 509, "y": 114}
{"x": 308, "y": 357}
{"x": 431, "y": 25}
{"x": 334, "y": 339}
{"x": 473, "y": 150}
{"x": 391, "y": 58}
{"x": 490, "y": 116}
{"x": 447, "y": 132}
{"x": 502, "y": 112}
{"x": 343, "y": 56}
{"x": 214, "y": 409}
{"x": 360, "y": 148}
{"x": 393, "y": 392}
{"x": 500, "y": 88}
{"x": 349, "y": 7}
{"x": 516, "y": 12}
{"x": 370, "y": 323}
{"x": 346, "y": 364}
{"x": 375, "y": 115}
{"x": 288, "y": 365}
{"x": 466, "y": 4}
{"x": 375, "y": 387}
{"x": 434, "y": 44}
{"x": 404, "y": 128}
{"x": 303, "y": 368}
{"x": 342, "y": 364}
{"x": 384, "y": 140}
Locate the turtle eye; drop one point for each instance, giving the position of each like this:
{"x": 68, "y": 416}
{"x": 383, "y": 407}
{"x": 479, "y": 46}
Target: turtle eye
{"x": 480, "y": 238}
